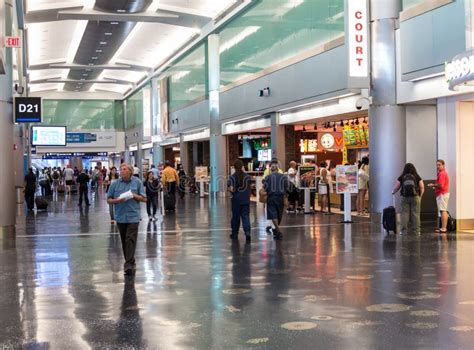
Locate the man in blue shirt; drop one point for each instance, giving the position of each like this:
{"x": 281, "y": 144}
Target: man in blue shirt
{"x": 276, "y": 185}
{"x": 127, "y": 212}
{"x": 239, "y": 186}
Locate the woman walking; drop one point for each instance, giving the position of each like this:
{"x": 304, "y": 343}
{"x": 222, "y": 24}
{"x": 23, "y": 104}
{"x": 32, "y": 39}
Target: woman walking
{"x": 363, "y": 178}
{"x": 152, "y": 188}
{"x": 109, "y": 180}
{"x": 411, "y": 189}
{"x": 239, "y": 186}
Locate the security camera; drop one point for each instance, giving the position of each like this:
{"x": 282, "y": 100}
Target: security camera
{"x": 19, "y": 89}
{"x": 361, "y": 101}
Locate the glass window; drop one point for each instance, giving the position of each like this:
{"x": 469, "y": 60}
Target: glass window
{"x": 188, "y": 79}
{"x": 135, "y": 110}
{"x": 83, "y": 114}
{"x": 275, "y": 30}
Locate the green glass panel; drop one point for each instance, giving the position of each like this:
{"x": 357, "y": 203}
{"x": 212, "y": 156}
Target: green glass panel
{"x": 273, "y": 31}
{"x": 188, "y": 79}
{"x": 83, "y": 114}
{"x": 410, "y": 3}
{"x": 135, "y": 110}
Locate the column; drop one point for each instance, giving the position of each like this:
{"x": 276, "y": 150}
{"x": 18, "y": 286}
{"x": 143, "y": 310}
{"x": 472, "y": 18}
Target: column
{"x": 7, "y": 181}
{"x": 387, "y": 119}
{"x": 158, "y": 154}
{"x": 218, "y": 142}
{"x": 278, "y": 140}
{"x": 183, "y": 153}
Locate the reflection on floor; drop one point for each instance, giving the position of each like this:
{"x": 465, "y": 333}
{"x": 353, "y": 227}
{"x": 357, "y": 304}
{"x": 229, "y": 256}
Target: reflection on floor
{"x": 325, "y": 286}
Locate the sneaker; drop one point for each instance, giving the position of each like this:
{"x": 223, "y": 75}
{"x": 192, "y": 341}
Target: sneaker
{"x": 233, "y": 236}
{"x": 154, "y": 218}
{"x": 277, "y": 235}
{"x": 289, "y": 211}
{"x": 269, "y": 230}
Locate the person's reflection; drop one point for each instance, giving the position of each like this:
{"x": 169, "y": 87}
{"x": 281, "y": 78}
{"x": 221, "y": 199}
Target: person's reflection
{"x": 115, "y": 254}
{"x": 129, "y": 326}
{"x": 241, "y": 272}
{"x": 389, "y": 247}
{"x": 84, "y": 219}
{"x": 151, "y": 244}
{"x": 277, "y": 273}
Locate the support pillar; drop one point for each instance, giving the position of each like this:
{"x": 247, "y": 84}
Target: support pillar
{"x": 183, "y": 146}
{"x": 158, "y": 154}
{"x": 218, "y": 142}
{"x": 278, "y": 140}
{"x": 7, "y": 184}
{"x": 387, "y": 119}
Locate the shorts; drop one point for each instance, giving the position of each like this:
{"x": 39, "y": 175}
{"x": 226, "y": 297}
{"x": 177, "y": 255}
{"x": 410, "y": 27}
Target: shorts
{"x": 322, "y": 188}
{"x": 442, "y": 202}
{"x": 275, "y": 207}
{"x": 68, "y": 182}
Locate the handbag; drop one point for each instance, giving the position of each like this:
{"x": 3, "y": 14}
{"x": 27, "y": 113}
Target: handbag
{"x": 451, "y": 225}
{"x": 263, "y": 195}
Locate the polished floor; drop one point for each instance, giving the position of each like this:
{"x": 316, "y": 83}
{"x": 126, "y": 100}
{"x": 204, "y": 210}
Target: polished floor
{"x": 326, "y": 285}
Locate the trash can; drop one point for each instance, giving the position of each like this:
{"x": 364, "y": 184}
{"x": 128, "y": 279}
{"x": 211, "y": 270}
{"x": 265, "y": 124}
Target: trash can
{"x": 20, "y": 198}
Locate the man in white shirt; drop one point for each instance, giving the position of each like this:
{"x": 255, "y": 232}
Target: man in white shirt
{"x": 136, "y": 171}
{"x": 68, "y": 177}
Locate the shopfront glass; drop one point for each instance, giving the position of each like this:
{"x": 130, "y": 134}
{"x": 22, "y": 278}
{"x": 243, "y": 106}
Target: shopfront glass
{"x": 276, "y": 30}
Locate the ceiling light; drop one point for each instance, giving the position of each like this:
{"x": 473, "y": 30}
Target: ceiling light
{"x": 94, "y": 58}
{"x": 334, "y": 127}
{"x": 98, "y": 51}
{"x": 85, "y": 74}
{"x": 83, "y": 79}
{"x": 108, "y": 33}
{"x": 304, "y": 128}
{"x": 341, "y": 124}
{"x": 88, "y": 70}
{"x": 315, "y": 126}
{"x": 357, "y": 121}
{"x": 114, "y": 23}
{"x": 121, "y": 11}
{"x": 103, "y": 43}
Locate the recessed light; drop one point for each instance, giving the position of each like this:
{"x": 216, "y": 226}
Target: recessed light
{"x": 103, "y": 43}
{"x": 90, "y": 64}
{"x": 114, "y": 23}
{"x": 120, "y": 10}
{"x": 85, "y": 75}
{"x": 88, "y": 70}
{"x": 98, "y": 51}
{"x": 94, "y": 58}
{"x": 83, "y": 79}
{"x": 108, "y": 33}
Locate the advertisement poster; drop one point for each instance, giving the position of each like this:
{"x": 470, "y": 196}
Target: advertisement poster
{"x": 346, "y": 179}
{"x": 200, "y": 172}
{"x": 307, "y": 175}
{"x": 330, "y": 141}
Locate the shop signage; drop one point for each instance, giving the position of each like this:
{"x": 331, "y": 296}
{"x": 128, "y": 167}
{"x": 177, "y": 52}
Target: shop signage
{"x": 27, "y": 109}
{"x": 460, "y": 70}
{"x": 307, "y": 176}
{"x": 346, "y": 179}
{"x": 12, "y": 41}
{"x": 308, "y": 145}
{"x": 357, "y": 29}
{"x": 262, "y": 144}
{"x": 330, "y": 141}
{"x": 80, "y": 137}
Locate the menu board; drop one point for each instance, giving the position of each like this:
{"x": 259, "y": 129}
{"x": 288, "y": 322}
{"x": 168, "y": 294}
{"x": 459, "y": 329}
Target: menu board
{"x": 346, "y": 179}
{"x": 356, "y": 135}
{"x": 200, "y": 172}
{"x": 307, "y": 175}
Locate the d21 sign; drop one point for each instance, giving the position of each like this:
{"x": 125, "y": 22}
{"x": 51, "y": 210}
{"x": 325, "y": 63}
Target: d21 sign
{"x": 27, "y": 110}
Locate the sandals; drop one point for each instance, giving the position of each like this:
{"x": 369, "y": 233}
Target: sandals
{"x": 438, "y": 230}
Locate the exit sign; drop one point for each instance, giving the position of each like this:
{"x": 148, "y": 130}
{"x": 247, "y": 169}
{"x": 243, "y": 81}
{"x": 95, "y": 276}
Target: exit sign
{"x": 12, "y": 41}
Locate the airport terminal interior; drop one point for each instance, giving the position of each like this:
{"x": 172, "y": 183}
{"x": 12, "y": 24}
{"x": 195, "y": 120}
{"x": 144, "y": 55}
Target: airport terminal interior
{"x": 236, "y": 174}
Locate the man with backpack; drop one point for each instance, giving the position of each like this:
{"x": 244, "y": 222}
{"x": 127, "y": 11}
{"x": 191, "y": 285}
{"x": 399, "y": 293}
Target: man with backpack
{"x": 411, "y": 189}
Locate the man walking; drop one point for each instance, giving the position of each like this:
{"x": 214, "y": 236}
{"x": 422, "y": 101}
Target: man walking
{"x": 83, "y": 179}
{"x": 30, "y": 189}
{"x": 126, "y": 194}
{"x": 276, "y": 185}
{"x": 441, "y": 188}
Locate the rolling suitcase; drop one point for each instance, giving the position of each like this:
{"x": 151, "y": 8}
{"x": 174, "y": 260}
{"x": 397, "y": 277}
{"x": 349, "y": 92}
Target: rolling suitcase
{"x": 389, "y": 218}
{"x": 169, "y": 201}
{"x": 41, "y": 203}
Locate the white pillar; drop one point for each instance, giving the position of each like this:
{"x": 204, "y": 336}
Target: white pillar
{"x": 278, "y": 140}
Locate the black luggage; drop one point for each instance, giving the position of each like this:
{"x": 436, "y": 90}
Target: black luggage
{"x": 389, "y": 218}
{"x": 169, "y": 201}
{"x": 41, "y": 203}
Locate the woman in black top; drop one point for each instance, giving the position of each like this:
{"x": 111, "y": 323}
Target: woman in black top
{"x": 182, "y": 181}
{"x": 152, "y": 188}
{"x": 411, "y": 189}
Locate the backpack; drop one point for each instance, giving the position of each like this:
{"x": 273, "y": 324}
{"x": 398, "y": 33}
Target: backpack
{"x": 55, "y": 175}
{"x": 409, "y": 186}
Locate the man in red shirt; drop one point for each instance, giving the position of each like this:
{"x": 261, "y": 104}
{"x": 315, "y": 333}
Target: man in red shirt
{"x": 442, "y": 194}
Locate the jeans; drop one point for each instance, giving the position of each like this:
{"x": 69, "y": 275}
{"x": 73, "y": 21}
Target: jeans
{"x": 83, "y": 193}
{"x": 240, "y": 211}
{"x": 111, "y": 211}
{"x": 411, "y": 212}
{"x": 30, "y": 199}
{"x": 128, "y": 235}
{"x": 151, "y": 202}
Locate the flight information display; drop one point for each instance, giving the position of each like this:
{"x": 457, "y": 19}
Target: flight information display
{"x": 48, "y": 135}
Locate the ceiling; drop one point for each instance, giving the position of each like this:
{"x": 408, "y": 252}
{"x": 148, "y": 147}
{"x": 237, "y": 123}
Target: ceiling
{"x": 83, "y": 46}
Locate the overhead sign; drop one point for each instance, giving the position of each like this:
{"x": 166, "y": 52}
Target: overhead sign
{"x": 460, "y": 70}
{"x": 12, "y": 41}
{"x": 27, "y": 110}
{"x": 80, "y": 137}
{"x": 68, "y": 155}
{"x": 357, "y": 40}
